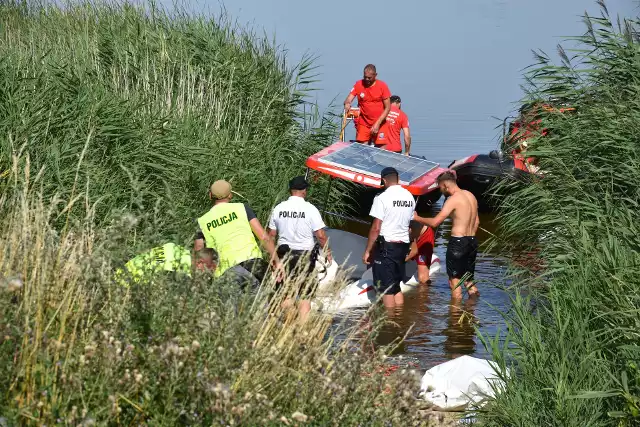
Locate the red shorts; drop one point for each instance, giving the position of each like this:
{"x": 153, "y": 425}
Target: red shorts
{"x": 425, "y": 247}
{"x": 363, "y": 133}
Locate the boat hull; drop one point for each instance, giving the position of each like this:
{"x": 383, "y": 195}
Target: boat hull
{"x": 479, "y": 174}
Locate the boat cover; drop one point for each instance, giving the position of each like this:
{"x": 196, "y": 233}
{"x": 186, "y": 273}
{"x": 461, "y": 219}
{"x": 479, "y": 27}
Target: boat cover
{"x": 362, "y": 164}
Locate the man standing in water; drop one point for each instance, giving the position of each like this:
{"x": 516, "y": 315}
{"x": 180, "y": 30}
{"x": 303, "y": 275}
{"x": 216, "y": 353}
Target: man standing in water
{"x": 462, "y": 250}
{"x": 392, "y": 211}
{"x": 395, "y": 123}
{"x": 229, "y": 228}
{"x": 373, "y": 99}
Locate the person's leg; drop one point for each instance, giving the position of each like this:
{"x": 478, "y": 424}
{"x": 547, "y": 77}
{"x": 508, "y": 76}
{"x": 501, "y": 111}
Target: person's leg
{"x": 304, "y": 308}
{"x": 423, "y": 274}
{"x": 363, "y": 134}
{"x": 456, "y": 265}
{"x": 456, "y": 290}
{"x": 471, "y": 267}
{"x": 424, "y": 263}
{"x": 383, "y": 276}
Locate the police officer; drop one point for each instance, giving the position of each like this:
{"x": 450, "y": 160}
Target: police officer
{"x": 388, "y": 243}
{"x": 296, "y": 221}
{"x": 229, "y": 228}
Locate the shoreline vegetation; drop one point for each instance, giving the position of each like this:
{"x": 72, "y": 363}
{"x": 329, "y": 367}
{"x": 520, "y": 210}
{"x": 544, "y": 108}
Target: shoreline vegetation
{"x": 573, "y": 335}
{"x": 113, "y": 122}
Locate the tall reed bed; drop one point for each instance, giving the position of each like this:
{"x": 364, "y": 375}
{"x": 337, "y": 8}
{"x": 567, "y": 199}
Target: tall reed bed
{"x": 156, "y": 105}
{"x": 78, "y": 349}
{"x": 574, "y": 339}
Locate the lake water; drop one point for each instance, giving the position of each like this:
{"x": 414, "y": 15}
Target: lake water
{"x": 437, "y": 328}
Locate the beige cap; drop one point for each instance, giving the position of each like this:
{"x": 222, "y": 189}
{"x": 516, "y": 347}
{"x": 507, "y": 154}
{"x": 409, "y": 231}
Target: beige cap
{"x": 220, "y": 189}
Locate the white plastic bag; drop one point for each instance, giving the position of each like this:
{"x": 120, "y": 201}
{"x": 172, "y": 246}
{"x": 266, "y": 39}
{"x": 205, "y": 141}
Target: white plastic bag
{"x": 453, "y": 385}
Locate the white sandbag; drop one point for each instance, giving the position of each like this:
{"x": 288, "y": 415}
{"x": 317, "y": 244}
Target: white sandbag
{"x": 455, "y": 384}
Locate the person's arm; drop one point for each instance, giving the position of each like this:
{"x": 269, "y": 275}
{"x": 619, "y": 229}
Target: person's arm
{"x": 348, "y": 101}
{"x": 324, "y": 243}
{"x": 264, "y": 239}
{"x": 387, "y": 107}
{"x": 439, "y": 219}
{"x": 377, "y": 212}
{"x": 413, "y": 249}
{"x": 318, "y": 226}
{"x": 407, "y": 140}
{"x": 262, "y": 235}
{"x": 198, "y": 243}
{"x": 374, "y": 232}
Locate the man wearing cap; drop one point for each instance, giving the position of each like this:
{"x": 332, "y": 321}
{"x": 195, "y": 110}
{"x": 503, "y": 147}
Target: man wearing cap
{"x": 373, "y": 100}
{"x": 395, "y": 123}
{"x": 229, "y": 228}
{"x": 296, "y": 221}
{"x": 388, "y": 243}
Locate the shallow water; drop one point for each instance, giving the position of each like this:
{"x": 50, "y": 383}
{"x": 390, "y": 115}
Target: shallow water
{"x": 438, "y": 329}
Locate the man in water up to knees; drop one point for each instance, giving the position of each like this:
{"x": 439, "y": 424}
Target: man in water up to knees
{"x": 229, "y": 228}
{"x": 388, "y": 243}
{"x": 373, "y": 99}
{"x": 462, "y": 249}
{"x": 296, "y": 221}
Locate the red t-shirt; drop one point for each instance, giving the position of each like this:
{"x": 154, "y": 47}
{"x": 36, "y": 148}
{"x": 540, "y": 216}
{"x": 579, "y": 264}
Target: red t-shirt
{"x": 370, "y": 100}
{"x": 389, "y": 134}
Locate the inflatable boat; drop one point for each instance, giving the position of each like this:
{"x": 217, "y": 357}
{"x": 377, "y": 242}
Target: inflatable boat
{"x": 479, "y": 172}
{"x": 361, "y": 165}
{"x": 347, "y": 249}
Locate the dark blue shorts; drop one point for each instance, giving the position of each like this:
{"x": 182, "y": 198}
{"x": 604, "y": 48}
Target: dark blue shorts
{"x": 388, "y": 266}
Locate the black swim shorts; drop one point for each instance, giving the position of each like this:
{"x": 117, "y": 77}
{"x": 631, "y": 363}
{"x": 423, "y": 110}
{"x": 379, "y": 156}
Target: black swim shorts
{"x": 389, "y": 266}
{"x": 461, "y": 257}
{"x": 295, "y": 265}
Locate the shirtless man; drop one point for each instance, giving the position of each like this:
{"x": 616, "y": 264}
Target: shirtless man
{"x": 462, "y": 249}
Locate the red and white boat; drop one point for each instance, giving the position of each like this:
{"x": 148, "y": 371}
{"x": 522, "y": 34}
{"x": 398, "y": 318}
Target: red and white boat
{"x": 361, "y": 164}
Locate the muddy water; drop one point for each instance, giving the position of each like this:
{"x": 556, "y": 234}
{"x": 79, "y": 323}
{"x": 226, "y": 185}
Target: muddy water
{"x": 436, "y": 328}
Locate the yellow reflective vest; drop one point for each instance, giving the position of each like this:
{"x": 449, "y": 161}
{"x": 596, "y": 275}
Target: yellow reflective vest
{"x": 226, "y": 229}
{"x": 168, "y": 257}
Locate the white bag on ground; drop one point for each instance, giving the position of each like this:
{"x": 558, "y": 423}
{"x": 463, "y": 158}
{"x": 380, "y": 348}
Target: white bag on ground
{"x": 454, "y": 384}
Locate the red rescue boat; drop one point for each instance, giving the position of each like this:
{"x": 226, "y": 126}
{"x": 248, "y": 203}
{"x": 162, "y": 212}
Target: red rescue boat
{"x": 361, "y": 164}
{"x": 479, "y": 172}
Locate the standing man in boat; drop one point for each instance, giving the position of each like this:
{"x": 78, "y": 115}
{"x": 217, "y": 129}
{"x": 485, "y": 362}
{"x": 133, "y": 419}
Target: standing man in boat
{"x": 462, "y": 207}
{"x": 388, "y": 243}
{"x": 296, "y": 221}
{"x": 229, "y": 228}
{"x": 396, "y": 122}
{"x": 373, "y": 99}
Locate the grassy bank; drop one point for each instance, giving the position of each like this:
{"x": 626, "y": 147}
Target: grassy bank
{"x": 574, "y": 340}
{"x": 141, "y": 111}
{"x": 76, "y": 349}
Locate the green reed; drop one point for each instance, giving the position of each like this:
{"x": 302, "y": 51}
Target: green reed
{"x": 76, "y": 348}
{"x": 573, "y": 339}
{"x": 157, "y": 105}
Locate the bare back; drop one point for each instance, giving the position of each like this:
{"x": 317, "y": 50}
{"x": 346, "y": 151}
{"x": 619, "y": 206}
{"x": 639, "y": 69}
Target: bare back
{"x": 464, "y": 213}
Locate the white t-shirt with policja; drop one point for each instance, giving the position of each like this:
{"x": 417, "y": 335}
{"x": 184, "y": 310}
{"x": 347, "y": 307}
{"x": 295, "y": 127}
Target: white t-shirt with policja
{"x": 296, "y": 220}
{"x": 394, "y": 207}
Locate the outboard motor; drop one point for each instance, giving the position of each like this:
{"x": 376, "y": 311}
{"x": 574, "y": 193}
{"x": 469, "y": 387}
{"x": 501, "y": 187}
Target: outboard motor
{"x": 496, "y": 154}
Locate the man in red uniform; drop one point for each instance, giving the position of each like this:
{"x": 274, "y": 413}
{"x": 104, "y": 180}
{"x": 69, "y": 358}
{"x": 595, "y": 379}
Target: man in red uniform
{"x": 389, "y": 135}
{"x": 373, "y": 99}
{"x": 422, "y": 243}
